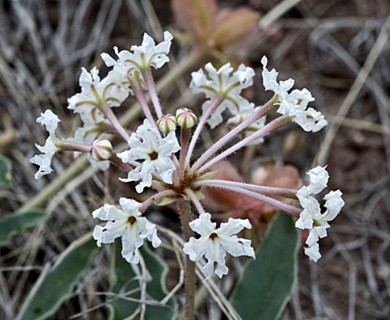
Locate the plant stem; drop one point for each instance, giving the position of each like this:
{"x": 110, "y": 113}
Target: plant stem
{"x": 273, "y": 125}
{"x": 189, "y": 268}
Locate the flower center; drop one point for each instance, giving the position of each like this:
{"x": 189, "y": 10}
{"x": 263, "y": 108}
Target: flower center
{"x": 316, "y": 223}
{"x": 213, "y": 236}
{"x": 153, "y": 155}
{"x": 131, "y": 220}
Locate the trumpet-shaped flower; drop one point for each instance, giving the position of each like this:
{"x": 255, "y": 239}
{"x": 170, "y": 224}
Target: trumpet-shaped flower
{"x": 140, "y": 58}
{"x": 227, "y": 85}
{"x": 215, "y": 242}
{"x": 318, "y": 180}
{"x": 97, "y": 93}
{"x": 293, "y": 104}
{"x": 270, "y": 81}
{"x": 155, "y": 153}
{"x": 128, "y": 224}
{"x": 311, "y": 217}
{"x": 50, "y": 121}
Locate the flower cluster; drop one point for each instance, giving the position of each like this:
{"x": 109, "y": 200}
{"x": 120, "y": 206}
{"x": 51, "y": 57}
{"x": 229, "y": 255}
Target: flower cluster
{"x": 162, "y": 160}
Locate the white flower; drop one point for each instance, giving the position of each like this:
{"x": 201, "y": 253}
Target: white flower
{"x": 96, "y": 93}
{"x": 296, "y": 100}
{"x": 255, "y": 126}
{"x": 310, "y": 120}
{"x": 311, "y": 209}
{"x": 293, "y": 104}
{"x": 127, "y": 223}
{"x": 155, "y": 152}
{"x": 318, "y": 181}
{"x": 270, "y": 80}
{"x": 50, "y": 121}
{"x": 141, "y": 57}
{"x": 313, "y": 252}
{"x": 334, "y": 203}
{"x": 214, "y": 243}
{"x": 226, "y": 84}
{"x": 311, "y": 217}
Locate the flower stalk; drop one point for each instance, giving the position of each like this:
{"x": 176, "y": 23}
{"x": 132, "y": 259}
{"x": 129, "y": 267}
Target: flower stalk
{"x": 185, "y": 213}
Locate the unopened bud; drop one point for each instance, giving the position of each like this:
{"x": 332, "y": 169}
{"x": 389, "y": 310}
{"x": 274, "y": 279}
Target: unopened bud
{"x": 101, "y": 150}
{"x": 167, "y": 123}
{"x": 185, "y": 118}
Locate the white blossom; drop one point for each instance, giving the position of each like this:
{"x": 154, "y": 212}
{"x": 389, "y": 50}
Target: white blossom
{"x": 296, "y": 100}
{"x": 141, "y": 58}
{"x": 311, "y": 217}
{"x": 270, "y": 80}
{"x": 310, "y": 120}
{"x": 226, "y": 84}
{"x": 294, "y": 103}
{"x": 96, "y": 92}
{"x": 313, "y": 252}
{"x": 215, "y": 242}
{"x": 147, "y": 145}
{"x": 50, "y": 121}
{"x": 128, "y": 224}
{"x": 318, "y": 180}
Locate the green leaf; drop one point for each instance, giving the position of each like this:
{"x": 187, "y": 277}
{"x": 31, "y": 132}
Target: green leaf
{"x": 56, "y": 286}
{"x": 16, "y": 222}
{"x": 267, "y": 282}
{"x": 127, "y": 286}
{"x": 5, "y": 172}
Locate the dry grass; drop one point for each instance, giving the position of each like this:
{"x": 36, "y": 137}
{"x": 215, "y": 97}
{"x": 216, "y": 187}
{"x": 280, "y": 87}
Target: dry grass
{"x": 338, "y": 49}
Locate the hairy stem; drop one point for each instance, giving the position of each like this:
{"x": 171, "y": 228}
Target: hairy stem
{"x": 189, "y": 268}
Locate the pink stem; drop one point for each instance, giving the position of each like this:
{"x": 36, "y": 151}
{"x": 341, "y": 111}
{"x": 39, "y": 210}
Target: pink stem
{"x": 285, "y": 192}
{"x": 273, "y": 125}
{"x": 70, "y": 146}
{"x": 205, "y": 116}
{"x": 233, "y": 133}
{"x": 292, "y": 210}
{"x": 184, "y": 140}
{"x": 139, "y": 95}
{"x": 152, "y": 91}
{"x": 195, "y": 200}
{"x": 115, "y": 122}
{"x": 155, "y": 198}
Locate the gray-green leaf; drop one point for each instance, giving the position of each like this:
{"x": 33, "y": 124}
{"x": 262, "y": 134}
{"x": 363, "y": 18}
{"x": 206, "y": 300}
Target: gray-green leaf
{"x": 56, "y": 286}
{"x": 266, "y": 284}
{"x": 16, "y": 222}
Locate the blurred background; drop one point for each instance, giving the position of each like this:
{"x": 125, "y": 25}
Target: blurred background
{"x": 339, "y": 50}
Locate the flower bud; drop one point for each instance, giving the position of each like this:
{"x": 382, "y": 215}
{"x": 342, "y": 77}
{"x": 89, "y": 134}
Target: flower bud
{"x": 185, "y": 118}
{"x": 167, "y": 123}
{"x": 101, "y": 150}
